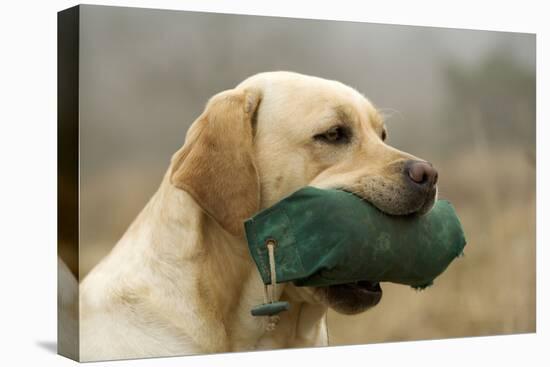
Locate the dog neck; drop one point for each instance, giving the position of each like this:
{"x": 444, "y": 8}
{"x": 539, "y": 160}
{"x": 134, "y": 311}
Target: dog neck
{"x": 218, "y": 280}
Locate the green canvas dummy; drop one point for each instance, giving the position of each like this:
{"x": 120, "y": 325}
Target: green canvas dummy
{"x": 329, "y": 237}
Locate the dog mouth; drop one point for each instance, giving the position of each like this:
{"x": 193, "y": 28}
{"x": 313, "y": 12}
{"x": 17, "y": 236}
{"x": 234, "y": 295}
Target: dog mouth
{"x": 409, "y": 205}
{"x": 353, "y": 298}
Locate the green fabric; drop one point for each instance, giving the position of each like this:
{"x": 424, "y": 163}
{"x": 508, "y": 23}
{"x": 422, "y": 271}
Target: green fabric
{"x": 329, "y": 237}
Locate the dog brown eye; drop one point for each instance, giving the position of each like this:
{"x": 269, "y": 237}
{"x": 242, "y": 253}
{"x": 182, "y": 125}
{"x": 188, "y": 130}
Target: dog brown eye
{"x": 334, "y": 135}
{"x": 384, "y": 135}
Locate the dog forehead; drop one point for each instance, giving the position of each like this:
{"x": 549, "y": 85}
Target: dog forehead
{"x": 288, "y": 86}
{"x": 288, "y": 97}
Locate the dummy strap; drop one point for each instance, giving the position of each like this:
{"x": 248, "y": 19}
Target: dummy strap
{"x": 270, "y": 307}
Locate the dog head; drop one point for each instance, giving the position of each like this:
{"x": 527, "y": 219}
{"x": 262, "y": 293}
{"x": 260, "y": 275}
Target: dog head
{"x": 277, "y": 132}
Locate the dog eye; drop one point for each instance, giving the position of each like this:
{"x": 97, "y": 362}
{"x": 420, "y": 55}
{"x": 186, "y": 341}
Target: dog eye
{"x": 334, "y": 135}
{"x": 384, "y": 135}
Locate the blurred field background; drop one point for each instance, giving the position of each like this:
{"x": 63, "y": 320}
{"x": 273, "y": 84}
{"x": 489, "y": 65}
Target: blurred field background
{"x": 462, "y": 99}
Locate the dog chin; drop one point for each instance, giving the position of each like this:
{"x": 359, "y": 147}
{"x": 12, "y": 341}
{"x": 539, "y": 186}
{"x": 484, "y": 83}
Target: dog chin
{"x": 352, "y": 298}
{"x": 406, "y": 204}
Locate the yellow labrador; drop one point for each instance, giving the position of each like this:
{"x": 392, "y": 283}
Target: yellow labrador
{"x": 181, "y": 281}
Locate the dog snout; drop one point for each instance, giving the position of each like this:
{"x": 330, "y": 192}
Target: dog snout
{"x": 421, "y": 173}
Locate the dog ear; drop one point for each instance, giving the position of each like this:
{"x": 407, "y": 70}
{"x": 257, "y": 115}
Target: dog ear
{"x": 215, "y": 165}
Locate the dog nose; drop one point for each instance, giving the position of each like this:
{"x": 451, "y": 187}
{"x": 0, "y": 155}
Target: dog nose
{"x": 421, "y": 173}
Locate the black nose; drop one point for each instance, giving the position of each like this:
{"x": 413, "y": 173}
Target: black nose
{"x": 421, "y": 173}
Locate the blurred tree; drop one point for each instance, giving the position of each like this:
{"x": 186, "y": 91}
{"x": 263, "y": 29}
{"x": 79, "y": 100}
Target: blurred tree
{"x": 490, "y": 104}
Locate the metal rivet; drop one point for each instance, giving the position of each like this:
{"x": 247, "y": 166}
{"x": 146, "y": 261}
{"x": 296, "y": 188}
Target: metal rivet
{"x": 270, "y": 241}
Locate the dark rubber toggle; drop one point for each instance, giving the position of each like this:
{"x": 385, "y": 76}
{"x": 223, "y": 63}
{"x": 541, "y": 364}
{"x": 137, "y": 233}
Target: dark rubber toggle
{"x": 270, "y": 309}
